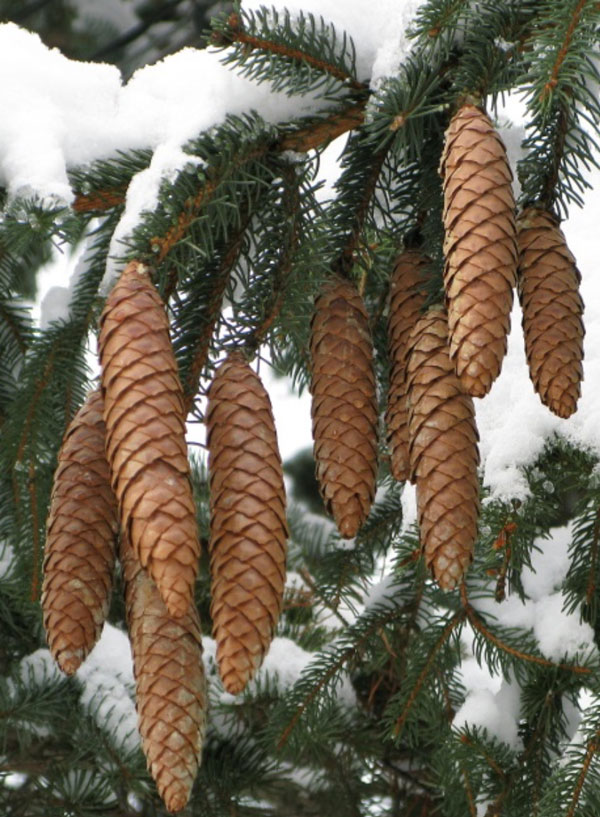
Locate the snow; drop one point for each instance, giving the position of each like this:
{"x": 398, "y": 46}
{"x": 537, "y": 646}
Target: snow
{"x": 497, "y": 712}
{"x": 107, "y": 684}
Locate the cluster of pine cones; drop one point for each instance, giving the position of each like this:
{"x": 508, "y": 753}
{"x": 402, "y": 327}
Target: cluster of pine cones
{"x": 123, "y": 477}
{"x": 123, "y": 473}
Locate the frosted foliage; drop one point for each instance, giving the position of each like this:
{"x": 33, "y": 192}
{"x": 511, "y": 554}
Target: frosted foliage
{"x": 106, "y": 679}
{"x": 559, "y": 635}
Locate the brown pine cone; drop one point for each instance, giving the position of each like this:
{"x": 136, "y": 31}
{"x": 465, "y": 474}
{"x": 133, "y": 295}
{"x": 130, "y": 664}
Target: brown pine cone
{"x": 344, "y": 405}
{"x": 406, "y": 302}
{"x": 145, "y": 425}
{"x": 80, "y": 540}
{"x": 548, "y": 287}
{"x": 443, "y": 452}
{"x": 248, "y": 522}
{"x": 479, "y": 246}
{"x": 171, "y": 694}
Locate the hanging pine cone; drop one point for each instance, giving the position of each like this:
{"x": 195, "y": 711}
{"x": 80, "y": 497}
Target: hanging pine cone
{"x": 170, "y": 684}
{"x": 443, "y": 452}
{"x": 248, "y": 522}
{"x": 344, "y": 405}
{"x": 145, "y": 425}
{"x": 552, "y": 311}
{"x": 479, "y": 246}
{"x": 406, "y": 302}
{"x": 80, "y": 540}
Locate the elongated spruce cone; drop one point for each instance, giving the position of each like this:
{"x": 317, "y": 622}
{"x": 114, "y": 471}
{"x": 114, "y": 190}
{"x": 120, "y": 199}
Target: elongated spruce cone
{"x": 171, "y": 694}
{"x": 443, "y": 452}
{"x": 405, "y": 304}
{"x": 247, "y": 520}
{"x": 552, "y": 307}
{"x": 80, "y": 540}
{"x": 344, "y": 405}
{"x": 145, "y": 426}
{"x": 479, "y": 247}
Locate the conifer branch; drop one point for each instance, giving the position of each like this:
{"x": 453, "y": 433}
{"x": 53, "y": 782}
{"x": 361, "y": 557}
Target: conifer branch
{"x": 291, "y": 205}
{"x": 335, "y": 667}
{"x": 311, "y": 136}
{"x": 564, "y": 49}
{"x": 469, "y": 791}
{"x": 478, "y": 625}
{"x": 591, "y": 582}
{"x": 235, "y": 33}
{"x": 35, "y": 529}
{"x": 592, "y": 748}
{"x": 99, "y": 200}
{"x": 343, "y": 264}
{"x": 213, "y": 311}
{"x": 456, "y": 619}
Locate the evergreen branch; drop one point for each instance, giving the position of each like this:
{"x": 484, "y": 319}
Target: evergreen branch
{"x": 435, "y": 19}
{"x": 292, "y": 56}
{"x": 99, "y": 200}
{"x": 563, "y": 50}
{"x": 322, "y": 131}
{"x": 35, "y": 529}
{"x": 213, "y": 311}
{"x": 478, "y": 625}
{"x": 592, "y": 747}
{"x": 342, "y": 265}
{"x": 456, "y": 619}
{"x": 469, "y": 792}
{"x": 468, "y": 741}
{"x": 291, "y": 220}
{"x": 378, "y": 618}
{"x": 591, "y": 582}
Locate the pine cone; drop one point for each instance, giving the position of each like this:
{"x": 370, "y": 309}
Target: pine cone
{"x": 406, "y": 302}
{"x": 479, "y": 246}
{"x": 170, "y": 683}
{"x": 248, "y": 522}
{"x": 443, "y": 452}
{"x": 146, "y": 448}
{"x": 80, "y": 540}
{"x": 344, "y": 405}
{"x": 552, "y": 311}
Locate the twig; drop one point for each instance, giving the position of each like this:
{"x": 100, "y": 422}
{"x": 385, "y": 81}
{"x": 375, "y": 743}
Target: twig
{"x": 592, "y": 748}
{"x": 478, "y": 625}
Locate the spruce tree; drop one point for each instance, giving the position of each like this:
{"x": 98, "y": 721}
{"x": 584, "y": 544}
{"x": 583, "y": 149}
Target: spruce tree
{"x": 365, "y": 704}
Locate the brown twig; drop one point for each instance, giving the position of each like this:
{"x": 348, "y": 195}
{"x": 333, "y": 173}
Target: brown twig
{"x": 469, "y": 792}
{"x": 478, "y": 625}
{"x": 308, "y": 137}
{"x": 592, "y": 748}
